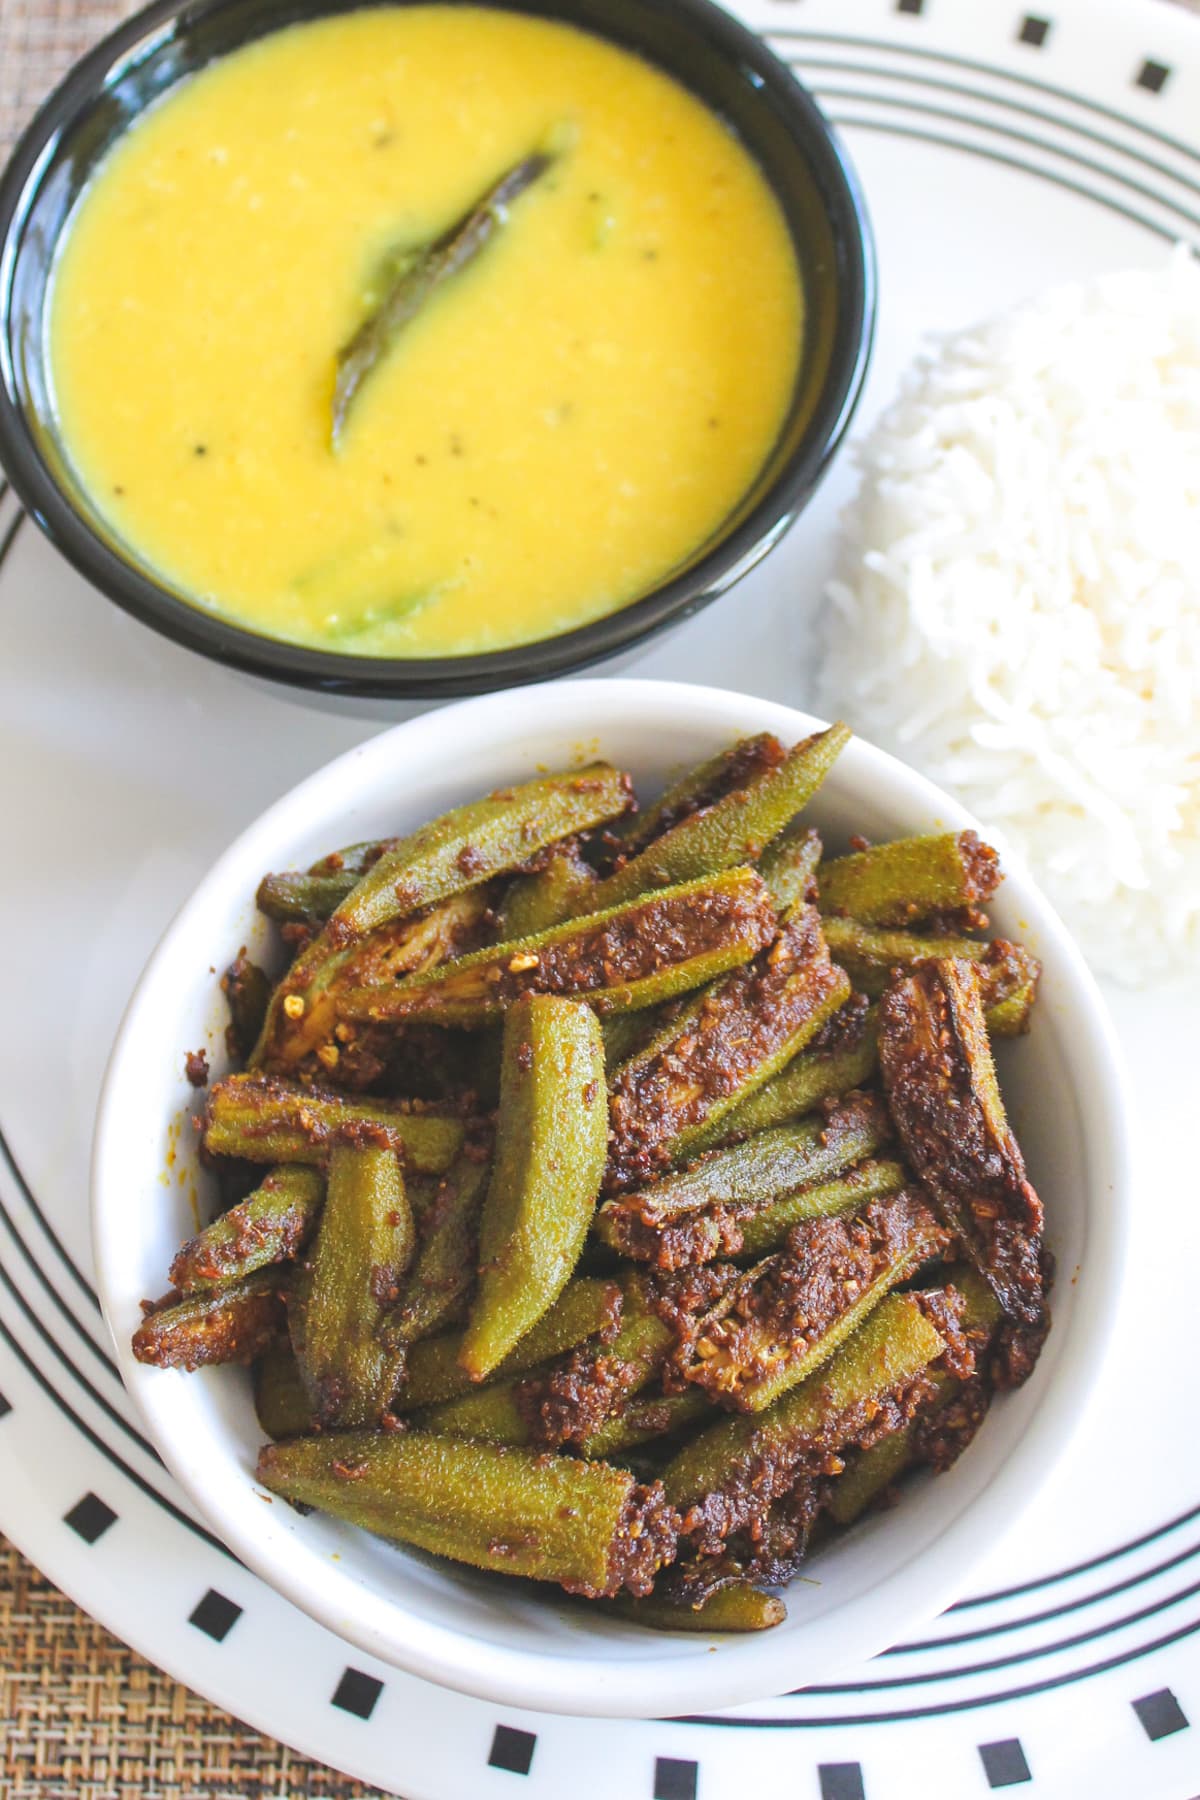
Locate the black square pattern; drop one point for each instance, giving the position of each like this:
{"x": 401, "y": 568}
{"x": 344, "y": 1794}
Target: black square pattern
{"x": 357, "y": 1693}
{"x": 512, "y": 1750}
{"x": 840, "y": 1781}
{"x": 1004, "y": 1763}
{"x": 1160, "y": 1714}
{"x": 1034, "y": 31}
{"x": 5, "y": 1406}
{"x": 910, "y": 6}
{"x": 215, "y": 1616}
{"x": 675, "y": 1780}
{"x": 1153, "y": 76}
{"x": 90, "y": 1518}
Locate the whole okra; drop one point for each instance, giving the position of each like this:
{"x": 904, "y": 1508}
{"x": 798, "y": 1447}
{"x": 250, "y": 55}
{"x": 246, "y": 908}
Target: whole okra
{"x": 347, "y": 1287}
{"x": 550, "y": 1148}
{"x": 587, "y": 1526}
{"x": 912, "y": 879}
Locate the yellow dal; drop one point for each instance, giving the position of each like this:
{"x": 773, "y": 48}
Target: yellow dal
{"x": 564, "y": 423}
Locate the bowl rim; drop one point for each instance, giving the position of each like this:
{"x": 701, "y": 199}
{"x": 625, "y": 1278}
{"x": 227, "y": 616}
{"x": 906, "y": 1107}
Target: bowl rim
{"x": 676, "y": 597}
{"x": 666, "y": 1684}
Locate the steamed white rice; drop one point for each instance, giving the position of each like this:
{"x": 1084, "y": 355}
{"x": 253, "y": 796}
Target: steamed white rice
{"x": 1017, "y": 608}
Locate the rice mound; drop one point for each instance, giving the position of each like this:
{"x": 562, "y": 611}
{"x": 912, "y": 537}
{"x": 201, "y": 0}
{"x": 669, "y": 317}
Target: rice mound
{"x": 1017, "y": 603}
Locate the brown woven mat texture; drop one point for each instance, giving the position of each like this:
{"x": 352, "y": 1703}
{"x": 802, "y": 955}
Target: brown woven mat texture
{"x": 81, "y": 1716}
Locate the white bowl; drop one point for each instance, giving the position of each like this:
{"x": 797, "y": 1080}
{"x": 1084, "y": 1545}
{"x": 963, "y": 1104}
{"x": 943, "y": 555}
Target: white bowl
{"x": 502, "y": 1639}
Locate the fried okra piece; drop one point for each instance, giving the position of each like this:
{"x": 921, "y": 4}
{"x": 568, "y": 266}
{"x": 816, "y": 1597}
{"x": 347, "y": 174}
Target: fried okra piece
{"x": 280, "y": 1397}
{"x": 551, "y": 1136}
{"x": 442, "y": 1275}
{"x": 788, "y": 1314}
{"x": 294, "y": 897}
{"x": 738, "y": 1607}
{"x": 627, "y": 957}
{"x": 698, "y": 789}
{"x": 947, "y": 875}
{"x": 941, "y": 1089}
{"x": 586, "y": 1308}
{"x": 695, "y": 1214}
{"x": 721, "y": 1047}
{"x": 573, "y": 1399}
{"x": 589, "y": 1527}
{"x": 306, "y": 1026}
{"x": 726, "y": 1479}
{"x": 789, "y": 865}
{"x": 736, "y": 828}
{"x": 232, "y": 1324}
{"x": 871, "y": 956}
{"x": 561, "y": 889}
{"x": 247, "y": 989}
{"x": 263, "y": 1118}
{"x": 841, "y": 1057}
{"x": 770, "y": 1227}
{"x": 350, "y": 1282}
{"x": 271, "y": 1225}
{"x": 462, "y": 849}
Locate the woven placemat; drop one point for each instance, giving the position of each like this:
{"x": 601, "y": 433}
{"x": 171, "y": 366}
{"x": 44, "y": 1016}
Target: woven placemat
{"x": 81, "y": 1716}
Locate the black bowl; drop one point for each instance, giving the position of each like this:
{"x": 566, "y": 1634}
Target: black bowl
{"x": 722, "y": 62}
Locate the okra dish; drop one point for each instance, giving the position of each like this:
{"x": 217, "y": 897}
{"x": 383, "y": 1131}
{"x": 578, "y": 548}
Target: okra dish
{"x": 620, "y": 1198}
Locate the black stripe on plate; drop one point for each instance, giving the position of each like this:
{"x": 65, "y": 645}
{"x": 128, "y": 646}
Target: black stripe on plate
{"x": 1011, "y": 1661}
{"x": 53, "y": 1344}
{"x": 1016, "y": 77}
{"x": 64, "y": 1406}
{"x": 1011, "y": 162}
{"x": 5, "y": 1407}
{"x": 31, "y": 1200}
{"x": 1048, "y": 1685}
{"x": 44, "y": 1281}
{"x": 952, "y": 1641}
{"x": 999, "y": 129}
{"x": 919, "y": 78}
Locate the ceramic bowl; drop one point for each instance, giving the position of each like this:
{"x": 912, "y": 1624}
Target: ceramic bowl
{"x": 726, "y": 65}
{"x": 510, "y": 1641}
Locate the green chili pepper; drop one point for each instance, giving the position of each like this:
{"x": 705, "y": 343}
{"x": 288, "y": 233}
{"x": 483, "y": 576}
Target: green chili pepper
{"x": 550, "y": 1149}
{"x": 265, "y": 1119}
{"x": 352, "y": 1279}
{"x": 231, "y": 1324}
{"x": 631, "y": 956}
{"x": 271, "y": 1225}
{"x": 584, "y": 1525}
{"x": 911, "y": 879}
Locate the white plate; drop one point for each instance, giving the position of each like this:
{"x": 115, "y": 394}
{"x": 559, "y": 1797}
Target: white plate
{"x": 993, "y": 166}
